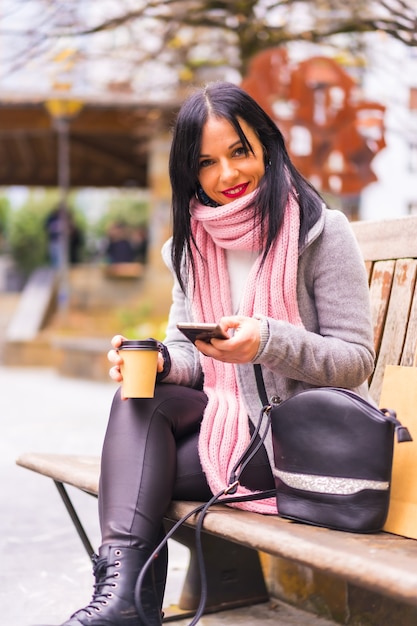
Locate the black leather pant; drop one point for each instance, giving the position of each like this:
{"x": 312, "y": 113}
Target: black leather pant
{"x": 150, "y": 457}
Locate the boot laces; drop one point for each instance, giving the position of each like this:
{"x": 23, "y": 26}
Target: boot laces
{"x": 104, "y": 583}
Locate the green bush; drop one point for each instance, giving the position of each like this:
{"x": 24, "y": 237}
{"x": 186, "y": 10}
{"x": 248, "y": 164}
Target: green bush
{"x": 27, "y": 239}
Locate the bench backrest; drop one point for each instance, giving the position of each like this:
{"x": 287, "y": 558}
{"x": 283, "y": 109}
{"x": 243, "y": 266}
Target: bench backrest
{"x": 389, "y": 248}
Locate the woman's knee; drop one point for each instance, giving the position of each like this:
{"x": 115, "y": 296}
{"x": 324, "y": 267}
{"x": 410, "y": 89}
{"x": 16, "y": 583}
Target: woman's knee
{"x": 181, "y": 407}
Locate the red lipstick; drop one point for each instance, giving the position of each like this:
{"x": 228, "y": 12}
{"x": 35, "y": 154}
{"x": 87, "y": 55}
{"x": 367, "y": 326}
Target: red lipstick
{"x": 236, "y": 192}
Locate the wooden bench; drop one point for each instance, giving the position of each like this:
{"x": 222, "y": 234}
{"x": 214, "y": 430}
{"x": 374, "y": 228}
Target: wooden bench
{"x": 382, "y": 563}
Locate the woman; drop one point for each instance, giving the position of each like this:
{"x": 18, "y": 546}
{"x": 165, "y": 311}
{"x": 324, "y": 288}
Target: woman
{"x": 254, "y": 249}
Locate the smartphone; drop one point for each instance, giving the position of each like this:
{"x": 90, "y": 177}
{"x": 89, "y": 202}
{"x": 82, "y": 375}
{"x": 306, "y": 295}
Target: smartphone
{"x": 202, "y": 331}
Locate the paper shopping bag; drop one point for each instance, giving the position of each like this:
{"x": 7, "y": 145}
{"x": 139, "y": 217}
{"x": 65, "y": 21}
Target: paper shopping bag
{"x": 399, "y": 392}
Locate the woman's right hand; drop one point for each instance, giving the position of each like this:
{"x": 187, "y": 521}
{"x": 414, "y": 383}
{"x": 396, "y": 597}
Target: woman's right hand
{"x": 115, "y": 358}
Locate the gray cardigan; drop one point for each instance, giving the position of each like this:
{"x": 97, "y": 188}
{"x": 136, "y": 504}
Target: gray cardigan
{"x": 335, "y": 347}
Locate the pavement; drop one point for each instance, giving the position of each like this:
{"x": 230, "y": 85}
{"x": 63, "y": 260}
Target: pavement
{"x": 46, "y": 573}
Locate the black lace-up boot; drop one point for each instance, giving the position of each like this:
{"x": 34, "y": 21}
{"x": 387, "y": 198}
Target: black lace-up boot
{"x": 113, "y": 603}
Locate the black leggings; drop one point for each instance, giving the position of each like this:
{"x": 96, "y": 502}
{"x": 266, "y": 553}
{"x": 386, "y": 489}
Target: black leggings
{"x": 150, "y": 457}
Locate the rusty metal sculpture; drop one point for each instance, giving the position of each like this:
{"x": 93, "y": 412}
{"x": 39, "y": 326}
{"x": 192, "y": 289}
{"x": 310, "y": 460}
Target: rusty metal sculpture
{"x": 332, "y": 135}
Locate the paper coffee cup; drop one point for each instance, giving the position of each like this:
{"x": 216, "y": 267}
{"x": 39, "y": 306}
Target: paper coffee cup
{"x": 138, "y": 369}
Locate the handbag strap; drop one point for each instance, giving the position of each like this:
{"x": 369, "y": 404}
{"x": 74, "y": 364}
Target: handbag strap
{"x": 260, "y": 384}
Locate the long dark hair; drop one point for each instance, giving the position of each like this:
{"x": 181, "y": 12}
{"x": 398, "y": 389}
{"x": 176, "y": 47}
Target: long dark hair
{"x": 226, "y": 100}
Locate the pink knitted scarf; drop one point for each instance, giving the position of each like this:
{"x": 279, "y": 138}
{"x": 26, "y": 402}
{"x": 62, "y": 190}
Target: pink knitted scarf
{"x": 270, "y": 291}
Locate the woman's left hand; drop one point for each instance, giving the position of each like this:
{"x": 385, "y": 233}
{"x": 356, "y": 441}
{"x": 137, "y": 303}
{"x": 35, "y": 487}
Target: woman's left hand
{"x": 114, "y": 357}
{"x": 242, "y": 346}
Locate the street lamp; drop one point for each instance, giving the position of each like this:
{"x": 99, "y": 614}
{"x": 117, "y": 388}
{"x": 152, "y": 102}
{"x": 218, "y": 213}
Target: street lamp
{"x": 62, "y": 110}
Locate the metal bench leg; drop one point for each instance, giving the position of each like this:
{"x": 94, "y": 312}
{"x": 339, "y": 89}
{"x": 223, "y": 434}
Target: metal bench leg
{"x": 75, "y": 519}
{"x": 234, "y": 574}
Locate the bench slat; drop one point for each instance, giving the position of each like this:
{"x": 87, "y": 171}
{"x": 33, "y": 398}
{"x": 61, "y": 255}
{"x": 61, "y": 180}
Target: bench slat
{"x": 369, "y": 266}
{"x": 387, "y": 239}
{"x": 380, "y": 290}
{"x": 409, "y": 355}
{"x": 79, "y": 471}
{"x": 396, "y": 322}
{"x": 380, "y": 562}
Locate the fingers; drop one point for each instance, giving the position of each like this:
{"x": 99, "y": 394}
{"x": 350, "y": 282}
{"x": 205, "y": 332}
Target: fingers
{"x": 115, "y": 374}
{"x": 242, "y": 347}
{"x": 114, "y": 357}
{"x": 160, "y": 365}
{"x": 117, "y": 340}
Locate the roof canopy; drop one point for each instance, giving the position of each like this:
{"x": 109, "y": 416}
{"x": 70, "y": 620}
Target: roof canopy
{"x": 108, "y": 141}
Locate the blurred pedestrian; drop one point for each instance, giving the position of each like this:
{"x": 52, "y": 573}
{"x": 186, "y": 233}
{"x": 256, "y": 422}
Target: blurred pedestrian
{"x": 55, "y": 230}
{"x": 65, "y": 237}
{"x": 119, "y": 248}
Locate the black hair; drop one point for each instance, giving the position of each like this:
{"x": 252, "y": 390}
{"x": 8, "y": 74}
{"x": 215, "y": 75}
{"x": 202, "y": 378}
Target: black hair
{"x": 230, "y": 102}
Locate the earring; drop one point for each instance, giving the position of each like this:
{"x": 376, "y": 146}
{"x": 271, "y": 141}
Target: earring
{"x": 204, "y": 198}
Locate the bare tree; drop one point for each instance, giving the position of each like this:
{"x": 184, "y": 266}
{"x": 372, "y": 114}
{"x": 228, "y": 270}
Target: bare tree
{"x": 190, "y": 36}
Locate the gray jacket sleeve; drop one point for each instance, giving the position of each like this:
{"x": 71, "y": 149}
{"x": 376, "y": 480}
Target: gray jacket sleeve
{"x": 335, "y": 347}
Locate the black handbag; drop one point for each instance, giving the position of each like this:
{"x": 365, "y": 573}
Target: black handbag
{"x": 333, "y": 454}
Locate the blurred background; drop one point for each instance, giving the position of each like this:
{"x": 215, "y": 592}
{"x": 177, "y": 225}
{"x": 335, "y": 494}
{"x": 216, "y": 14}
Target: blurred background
{"x": 88, "y": 94}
